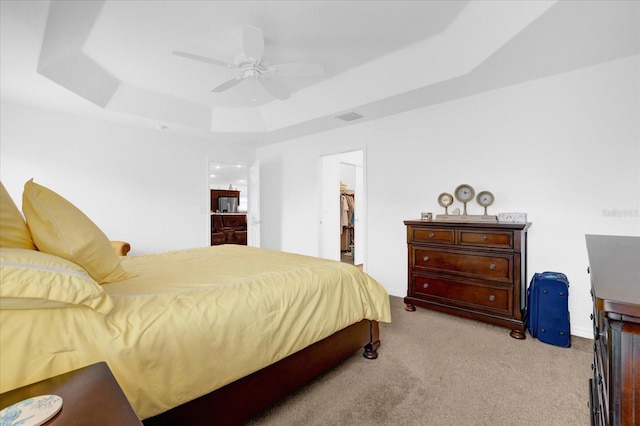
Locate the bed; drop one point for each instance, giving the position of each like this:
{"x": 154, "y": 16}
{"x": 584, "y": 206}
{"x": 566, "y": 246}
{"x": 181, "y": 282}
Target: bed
{"x": 192, "y": 336}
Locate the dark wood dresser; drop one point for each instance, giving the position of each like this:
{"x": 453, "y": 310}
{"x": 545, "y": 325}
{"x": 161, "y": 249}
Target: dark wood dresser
{"x": 472, "y": 270}
{"x": 614, "y": 267}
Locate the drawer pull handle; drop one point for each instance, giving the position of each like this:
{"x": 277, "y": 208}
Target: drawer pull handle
{"x": 425, "y": 285}
{"x": 492, "y": 297}
{"x": 426, "y": 258}
{"x": 492, "y": 266}
{"x": 431, "y": 235}
{"x": 484, "y": 238}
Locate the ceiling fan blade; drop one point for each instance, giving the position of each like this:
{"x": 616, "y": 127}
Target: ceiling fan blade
{"x": 203, "y": 59}
{"x": 297, "y": 70}
{"x": 275, "y": 89}
{"x": 228, "y": 84}
{"x": 253, "y": 44}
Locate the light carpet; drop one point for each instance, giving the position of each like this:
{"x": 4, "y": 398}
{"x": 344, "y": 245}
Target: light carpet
{"x": 438, "y": 369}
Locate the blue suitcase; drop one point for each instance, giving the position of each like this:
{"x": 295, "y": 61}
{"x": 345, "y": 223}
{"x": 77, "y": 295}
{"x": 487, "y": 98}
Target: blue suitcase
{"x": 548, "y": 308}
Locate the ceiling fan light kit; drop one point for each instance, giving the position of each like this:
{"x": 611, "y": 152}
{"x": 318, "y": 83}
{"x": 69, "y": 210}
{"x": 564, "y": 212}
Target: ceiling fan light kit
{"x": 250, "y": 66}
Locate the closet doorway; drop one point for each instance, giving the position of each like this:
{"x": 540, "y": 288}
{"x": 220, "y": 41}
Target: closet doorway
{"x": 343, "y": 204}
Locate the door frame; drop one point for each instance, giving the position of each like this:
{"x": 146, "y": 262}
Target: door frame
{"x": 330, "y": 205}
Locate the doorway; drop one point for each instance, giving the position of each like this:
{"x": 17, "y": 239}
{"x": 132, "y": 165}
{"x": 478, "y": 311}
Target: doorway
{"x": 231, "y": 203}
{"x": 343, "y": 203}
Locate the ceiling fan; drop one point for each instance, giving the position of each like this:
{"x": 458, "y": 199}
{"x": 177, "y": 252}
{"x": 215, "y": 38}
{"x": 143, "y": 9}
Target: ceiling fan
{"x": 250, "y": 66}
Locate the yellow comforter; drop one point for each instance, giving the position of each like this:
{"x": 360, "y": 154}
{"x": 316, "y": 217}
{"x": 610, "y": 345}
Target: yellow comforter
{"x": 191, "y": 322}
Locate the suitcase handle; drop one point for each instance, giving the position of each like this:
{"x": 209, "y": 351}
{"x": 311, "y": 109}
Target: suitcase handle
{"x": 560, "y": 293}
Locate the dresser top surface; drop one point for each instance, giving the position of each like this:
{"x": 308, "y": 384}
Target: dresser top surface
{"x": 462, "y": 224}
{"x": 614, "y": 266}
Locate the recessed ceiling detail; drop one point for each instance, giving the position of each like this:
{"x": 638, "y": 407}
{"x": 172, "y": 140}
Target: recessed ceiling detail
{"x": 379, "y": 57}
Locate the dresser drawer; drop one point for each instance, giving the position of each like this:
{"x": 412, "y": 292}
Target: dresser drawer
{"x": 494, "y": 267}
{"x": 482, "y": 238}
{"x": 431, "y": 235}
{"x": 477, "y": 296}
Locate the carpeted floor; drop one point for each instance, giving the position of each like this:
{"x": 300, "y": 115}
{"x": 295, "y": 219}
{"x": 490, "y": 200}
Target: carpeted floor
{"x": 437, "y": 369}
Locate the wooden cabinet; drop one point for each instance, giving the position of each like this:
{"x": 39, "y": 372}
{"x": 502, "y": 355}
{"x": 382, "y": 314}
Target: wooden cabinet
{"x": 615, "y": 287}
{"x": 228, "y": 228}
{"x": 227, "y": 225}
{"x": 472, "y": 270}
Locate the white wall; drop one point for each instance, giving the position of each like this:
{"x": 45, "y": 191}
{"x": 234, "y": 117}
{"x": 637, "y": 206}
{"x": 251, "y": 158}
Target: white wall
{"x": 144, "y": 186}
{"x": 563, "y": 149}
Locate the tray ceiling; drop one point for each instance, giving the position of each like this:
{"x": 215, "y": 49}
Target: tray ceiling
{"x": 113, "y": 59}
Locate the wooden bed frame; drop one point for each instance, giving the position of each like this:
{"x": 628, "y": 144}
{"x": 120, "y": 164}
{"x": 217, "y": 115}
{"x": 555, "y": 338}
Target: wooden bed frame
{"x": 239, "y": 401}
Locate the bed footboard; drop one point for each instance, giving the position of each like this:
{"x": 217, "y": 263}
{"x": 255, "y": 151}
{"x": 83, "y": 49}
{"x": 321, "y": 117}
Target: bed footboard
{"x": 246, "y": 397}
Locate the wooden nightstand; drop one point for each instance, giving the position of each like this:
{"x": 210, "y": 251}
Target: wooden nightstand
{"x": 91, "y": 396}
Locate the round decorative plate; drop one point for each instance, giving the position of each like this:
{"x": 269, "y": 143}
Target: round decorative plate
{"x": 31, "y": 412}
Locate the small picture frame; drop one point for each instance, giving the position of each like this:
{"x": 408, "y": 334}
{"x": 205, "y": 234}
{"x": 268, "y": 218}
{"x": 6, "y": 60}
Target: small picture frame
{"x": 426, "y": 216}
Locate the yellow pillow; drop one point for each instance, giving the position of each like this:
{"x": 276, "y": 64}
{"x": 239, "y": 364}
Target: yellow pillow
{"x": 32, "y": 279}
{"x": 59, "y": 228}
{"x": 13, "y": 230}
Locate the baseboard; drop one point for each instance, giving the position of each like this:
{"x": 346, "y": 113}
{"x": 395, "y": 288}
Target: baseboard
{"x": 587, "y": 333}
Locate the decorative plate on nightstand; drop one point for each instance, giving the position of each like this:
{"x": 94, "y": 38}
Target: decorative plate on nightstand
{"x": 31, "y": 412}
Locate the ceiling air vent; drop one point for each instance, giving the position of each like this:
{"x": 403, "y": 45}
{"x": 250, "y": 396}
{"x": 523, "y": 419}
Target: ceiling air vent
{"x": 349, "y": 116}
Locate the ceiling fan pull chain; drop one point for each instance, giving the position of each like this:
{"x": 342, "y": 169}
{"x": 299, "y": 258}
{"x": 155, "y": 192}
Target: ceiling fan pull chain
{"x": 254, "y": 99}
